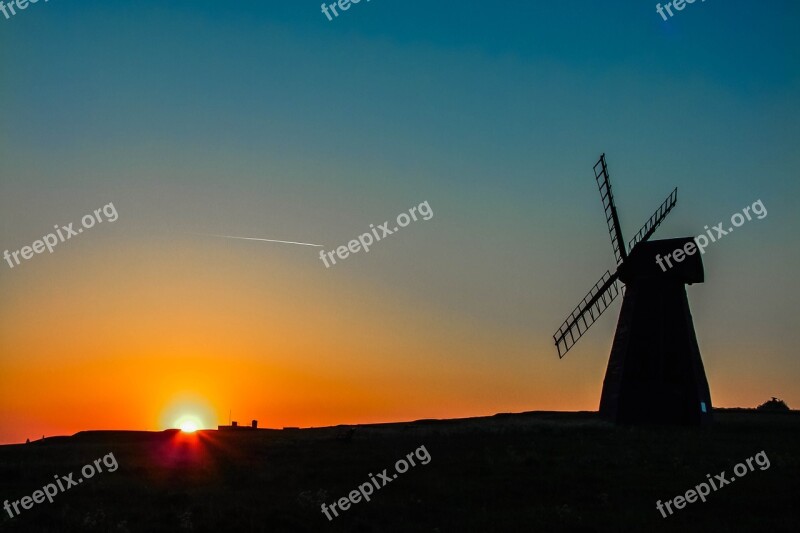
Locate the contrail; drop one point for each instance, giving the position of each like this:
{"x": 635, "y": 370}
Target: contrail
{"x": 257, "y": 239}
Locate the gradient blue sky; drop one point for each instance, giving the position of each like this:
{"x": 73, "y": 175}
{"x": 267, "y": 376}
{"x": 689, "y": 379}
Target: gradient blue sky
{"x": 265, "y": 119}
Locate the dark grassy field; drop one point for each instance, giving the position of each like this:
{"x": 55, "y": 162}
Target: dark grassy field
{"x": 525, "y": 472}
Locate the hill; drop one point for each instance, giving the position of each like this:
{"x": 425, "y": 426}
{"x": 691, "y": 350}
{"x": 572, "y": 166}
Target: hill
{"x": 517, "y": 472}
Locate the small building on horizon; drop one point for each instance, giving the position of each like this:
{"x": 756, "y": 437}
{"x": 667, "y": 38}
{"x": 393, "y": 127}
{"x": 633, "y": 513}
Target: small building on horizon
{"x": 235, "y": 426}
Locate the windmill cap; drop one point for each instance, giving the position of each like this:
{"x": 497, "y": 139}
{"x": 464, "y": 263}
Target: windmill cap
{"x": 667, "y": 259}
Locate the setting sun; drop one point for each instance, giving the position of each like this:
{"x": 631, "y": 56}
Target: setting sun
{"x": 189, "y": 423}
{"x": 189, "y": 426}
{"x": 188, "y": 412}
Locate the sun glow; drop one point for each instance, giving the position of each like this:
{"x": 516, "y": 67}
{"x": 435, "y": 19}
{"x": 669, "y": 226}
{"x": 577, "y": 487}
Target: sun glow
{"x": 189, "y": 424}
{"x": 188, "y": 412}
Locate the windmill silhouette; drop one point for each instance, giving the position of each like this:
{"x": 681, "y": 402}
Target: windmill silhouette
{"x": 655, "y": 373}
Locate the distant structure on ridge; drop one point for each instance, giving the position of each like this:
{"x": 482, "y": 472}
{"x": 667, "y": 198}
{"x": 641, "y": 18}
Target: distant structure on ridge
{"x": 235, "y": 426}
{"x": 773, "y": 405}
{"x": 655, "y": 374}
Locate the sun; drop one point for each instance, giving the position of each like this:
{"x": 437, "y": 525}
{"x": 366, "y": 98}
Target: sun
{"x": 189, "y": 413}
{"x": 189, "y": 423}
{"x": 189, "y": 426}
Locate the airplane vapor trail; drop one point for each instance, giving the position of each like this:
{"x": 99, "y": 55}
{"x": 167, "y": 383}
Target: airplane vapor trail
{"x": 257, "y": 239}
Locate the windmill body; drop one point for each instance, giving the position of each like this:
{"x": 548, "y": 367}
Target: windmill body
{"x": 655, "y": 373}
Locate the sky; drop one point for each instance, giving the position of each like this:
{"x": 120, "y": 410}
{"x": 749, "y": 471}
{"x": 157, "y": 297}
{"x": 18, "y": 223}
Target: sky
{"x": 265, "y": 119}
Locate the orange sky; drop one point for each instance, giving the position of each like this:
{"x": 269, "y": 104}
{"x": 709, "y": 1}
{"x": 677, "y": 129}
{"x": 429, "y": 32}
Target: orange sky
{"x": 136, "y": 344}
{"x": 119, "y": 350}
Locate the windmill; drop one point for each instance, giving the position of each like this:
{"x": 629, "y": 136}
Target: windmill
{"x": 655, "y": 373}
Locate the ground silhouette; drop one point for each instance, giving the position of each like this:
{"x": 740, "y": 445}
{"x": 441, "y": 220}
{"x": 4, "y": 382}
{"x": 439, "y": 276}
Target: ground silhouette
{"x": 506, "y": 473}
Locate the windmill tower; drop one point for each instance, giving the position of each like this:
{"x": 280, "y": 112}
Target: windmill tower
{"x": 655, "y": 373}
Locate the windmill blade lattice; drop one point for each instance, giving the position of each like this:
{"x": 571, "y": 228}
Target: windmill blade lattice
{"x": 612, "y": 219}
{"x": 586, "y": 313}
{"x": 655, "y": 220}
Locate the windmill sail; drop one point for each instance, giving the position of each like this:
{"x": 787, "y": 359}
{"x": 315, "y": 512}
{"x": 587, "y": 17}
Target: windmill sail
{"x": 658, "y": 217}
{"x": 612, "y": 219}
{"x": 586, "y": 313}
